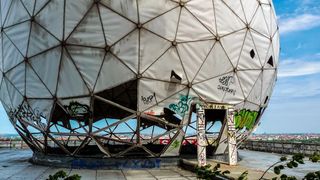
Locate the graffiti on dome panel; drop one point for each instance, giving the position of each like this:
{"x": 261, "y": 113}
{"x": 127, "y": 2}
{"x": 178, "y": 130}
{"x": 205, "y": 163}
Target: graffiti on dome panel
{"x": 77, "y": 110}
{"x": 225, "y": 82}
{"x": 245, "y": 119}
{"x": 182, "y": 106}
{"x": 148, "y": 99}
{"x": 26, "y": 113}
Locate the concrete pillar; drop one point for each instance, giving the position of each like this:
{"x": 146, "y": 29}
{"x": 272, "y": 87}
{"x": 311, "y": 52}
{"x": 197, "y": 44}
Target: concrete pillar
{"x": 232, "y": 139}
{"x": 201, "y": 136}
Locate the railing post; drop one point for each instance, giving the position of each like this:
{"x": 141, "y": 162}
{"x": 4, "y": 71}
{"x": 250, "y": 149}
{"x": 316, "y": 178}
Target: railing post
{"x": 201, "y": 136}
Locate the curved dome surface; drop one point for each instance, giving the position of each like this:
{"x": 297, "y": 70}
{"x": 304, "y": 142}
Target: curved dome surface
{"x": 113, "y": 76}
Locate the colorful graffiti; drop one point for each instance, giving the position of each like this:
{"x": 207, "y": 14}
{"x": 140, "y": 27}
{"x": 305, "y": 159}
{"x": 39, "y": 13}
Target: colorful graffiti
{"x": 245, "y": 119}
{"x": 182, "y": 106}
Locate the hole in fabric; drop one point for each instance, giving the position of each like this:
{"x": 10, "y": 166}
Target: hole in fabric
{"x": 175, "y": 77}
{"x": 270, "y": 61}
{"x": 252, "y": 54}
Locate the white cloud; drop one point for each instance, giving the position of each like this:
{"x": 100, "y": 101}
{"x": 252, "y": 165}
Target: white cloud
{"x": 291, "y": 68}
{"x": 299, "y": 23}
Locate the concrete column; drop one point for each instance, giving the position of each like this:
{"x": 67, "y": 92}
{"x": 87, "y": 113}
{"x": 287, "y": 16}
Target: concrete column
{"x": 232, "y": 139}
{"x": 201, "y": 136}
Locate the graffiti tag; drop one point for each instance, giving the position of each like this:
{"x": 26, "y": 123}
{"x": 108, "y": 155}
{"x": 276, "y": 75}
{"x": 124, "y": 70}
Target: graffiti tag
{"x": 225, "y": 82}
{"x": 147, "y": 100}
{"x": 245, "y": 119}
{"x": 26, "y": 113}
{"x": 182, "y": 106}
{"x": 77, "y": 110}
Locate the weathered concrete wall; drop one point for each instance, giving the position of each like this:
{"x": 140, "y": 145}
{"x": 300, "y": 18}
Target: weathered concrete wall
{"x": 281, "y": 147}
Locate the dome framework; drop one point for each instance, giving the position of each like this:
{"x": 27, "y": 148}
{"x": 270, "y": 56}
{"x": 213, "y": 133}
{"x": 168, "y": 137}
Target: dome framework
{"x": 114, "y": 78}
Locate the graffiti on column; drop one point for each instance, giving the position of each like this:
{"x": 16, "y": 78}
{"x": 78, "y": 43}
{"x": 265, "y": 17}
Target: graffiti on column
{"x": 201, "y": 137}
{"x": 245, "y": 119}
{"x": 232, "y": 140}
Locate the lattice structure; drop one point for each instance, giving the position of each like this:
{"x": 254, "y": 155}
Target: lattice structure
{"x": 115, "y": 77}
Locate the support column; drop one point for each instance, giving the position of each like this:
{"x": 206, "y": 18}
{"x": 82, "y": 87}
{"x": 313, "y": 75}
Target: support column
{"x": 201, "y": 136}
{"x": 232, "y": 139}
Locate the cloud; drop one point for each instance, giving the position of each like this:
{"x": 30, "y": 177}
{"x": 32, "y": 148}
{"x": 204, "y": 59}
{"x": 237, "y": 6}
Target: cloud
{"x": 298, "y": 23}
{"x": 292, "y": 68}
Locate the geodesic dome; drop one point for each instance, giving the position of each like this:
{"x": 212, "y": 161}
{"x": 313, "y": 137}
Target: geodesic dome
{"x": 117, "y": 77}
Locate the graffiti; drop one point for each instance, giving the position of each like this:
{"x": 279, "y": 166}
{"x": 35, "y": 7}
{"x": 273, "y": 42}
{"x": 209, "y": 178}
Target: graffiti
{"x": 120, "y": 164}
{"x": 175, "y": 144}
{"x": 147, "y": 100}
{"x": 245, "y": 119}
{"x": 182, "y": 106}
{"x": 184, "y": 142}
{"x": 77, "y": 110}
{"x": 232, "y": 140}
{"x": 225, "y": 82}
{"x": 26, "y": 113}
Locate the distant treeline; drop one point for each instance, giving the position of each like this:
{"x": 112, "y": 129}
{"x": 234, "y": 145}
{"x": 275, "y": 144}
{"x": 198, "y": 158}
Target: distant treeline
{"x": 306, "y": 141}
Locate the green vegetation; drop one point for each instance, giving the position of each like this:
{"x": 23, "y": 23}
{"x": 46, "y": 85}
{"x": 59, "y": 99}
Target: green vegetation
{"x": 209, "y": 173}
{"x": 63, "y": 175}
{"x": 293, "y": 162}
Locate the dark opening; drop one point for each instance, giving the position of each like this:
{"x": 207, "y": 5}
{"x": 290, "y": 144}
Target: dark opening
{"x": 270, "y": 61}
{"x": 252, "y": 54}
{"x": 175, "y": 77}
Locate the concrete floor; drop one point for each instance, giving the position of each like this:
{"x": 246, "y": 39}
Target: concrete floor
{"x": 14, "y": 165}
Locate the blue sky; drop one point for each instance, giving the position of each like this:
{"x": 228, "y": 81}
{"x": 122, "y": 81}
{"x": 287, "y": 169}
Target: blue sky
{"x": 295, "y": 105}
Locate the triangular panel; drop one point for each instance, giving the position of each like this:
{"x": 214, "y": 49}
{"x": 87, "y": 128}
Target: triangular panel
{"x": 216, "y": 64}
{"x": 165, "y": 25}
{"x": 187, "y": 32}
{"x": 11, "y": 55}
{"x": 126, "y": 8}
{"x": 249, "y": 58}
{"x": 51, "y": 17}
{"x": 151, "y": 48}
{"x": 166, "y": 66}
{"x": 193, "y": 54}
{"x": 17, "y": 77}
{"x": 233, "y": 44}
{"x": 127, "y": 50}
{"x": 35, "y": 87}
{"x": 47, "y": 62}
{"x": 89, "y": 31}
{"x": 112, "y": 73}
{"x": 40, "y": 40}
{"x": 19, "y": 36}
{"x": 247, "y": 80}
{"x": 16, "y": 14}
{"x": 75, "y": 10}
{"x": 153, "y": 8}
{"x": 115, "y": 26}
{"x": 227, "y": 22}
{"x": 202, "y": 10}
{"x": 70, "y": 81}
{"x": 88, "y": 61}
{"x": 256, "y": 91}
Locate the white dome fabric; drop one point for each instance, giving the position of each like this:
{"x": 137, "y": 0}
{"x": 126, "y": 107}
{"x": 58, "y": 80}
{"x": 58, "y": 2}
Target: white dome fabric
{"x": 143, "y": 55}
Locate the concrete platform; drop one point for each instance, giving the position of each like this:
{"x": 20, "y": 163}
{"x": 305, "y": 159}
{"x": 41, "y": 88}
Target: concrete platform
{"x": 14, "y": 165}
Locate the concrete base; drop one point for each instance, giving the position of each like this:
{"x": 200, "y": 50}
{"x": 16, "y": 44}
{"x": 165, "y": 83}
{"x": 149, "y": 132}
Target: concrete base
{"x": 104, "y": 163}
